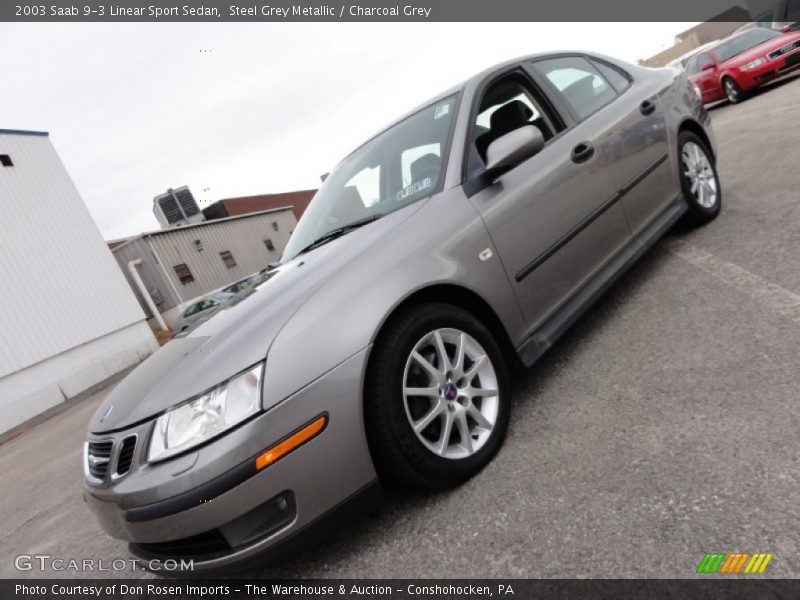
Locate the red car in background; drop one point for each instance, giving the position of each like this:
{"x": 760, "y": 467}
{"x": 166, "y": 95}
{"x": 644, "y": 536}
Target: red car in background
{"x": 743, "y": 63}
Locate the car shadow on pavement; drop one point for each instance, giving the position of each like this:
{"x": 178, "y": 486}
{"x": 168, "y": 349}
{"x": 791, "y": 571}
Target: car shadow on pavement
{"x": 757, "y": 92}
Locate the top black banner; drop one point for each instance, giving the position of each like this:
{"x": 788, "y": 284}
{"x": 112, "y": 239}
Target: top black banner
{"x": 408, "y": 10}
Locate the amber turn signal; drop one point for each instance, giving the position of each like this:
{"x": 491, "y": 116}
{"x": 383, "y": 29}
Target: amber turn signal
{"x": 298, "y": 438}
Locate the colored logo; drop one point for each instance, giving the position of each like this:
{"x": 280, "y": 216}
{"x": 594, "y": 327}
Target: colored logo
{"x": 734, "y": 563}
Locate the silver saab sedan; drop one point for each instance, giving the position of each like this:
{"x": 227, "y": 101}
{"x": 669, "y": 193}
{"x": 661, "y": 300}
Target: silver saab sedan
{"x": 462, "y": 239}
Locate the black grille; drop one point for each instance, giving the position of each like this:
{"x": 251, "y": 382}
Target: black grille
{"x": 791, "y": 61}
{"x": 204, "y": 545}
{"x": 781, "y": 51}
{"x": 99, "y": 457}
{"x": 125, "y": 458}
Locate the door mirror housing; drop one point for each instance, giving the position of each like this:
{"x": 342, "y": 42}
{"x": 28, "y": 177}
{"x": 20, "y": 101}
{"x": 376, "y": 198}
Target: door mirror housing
{"x": 707, "y": 66}
{"x": 509, "y": 150}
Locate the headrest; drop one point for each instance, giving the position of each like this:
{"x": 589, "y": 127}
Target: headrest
{"x": 509, "y": 117}
{"x": 426, "y": 165}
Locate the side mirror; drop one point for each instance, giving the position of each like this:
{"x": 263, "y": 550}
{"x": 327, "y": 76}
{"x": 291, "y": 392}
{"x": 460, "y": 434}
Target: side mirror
{"x": 509, "y": 150}
{"x": 786, "y": 29}
{"x": 707, "y": 67}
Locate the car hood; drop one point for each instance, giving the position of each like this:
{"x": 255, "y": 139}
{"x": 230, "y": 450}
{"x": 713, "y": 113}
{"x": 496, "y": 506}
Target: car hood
{"x": 236, "y": 337}
{"x": 761, "y": 50}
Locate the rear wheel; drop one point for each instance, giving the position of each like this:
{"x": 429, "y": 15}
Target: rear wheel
{"x": 733, "y": 92}
{"x": 699, "y": 179}
{"x": 437, "y": 403}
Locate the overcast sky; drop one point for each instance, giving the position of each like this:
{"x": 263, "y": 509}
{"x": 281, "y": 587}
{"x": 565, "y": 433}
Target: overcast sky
{"x": 240, "y": 109}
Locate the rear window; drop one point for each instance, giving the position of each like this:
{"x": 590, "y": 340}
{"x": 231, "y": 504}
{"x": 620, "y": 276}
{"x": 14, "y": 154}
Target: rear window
{"x": 619, "y": 80}
{"x": 581, "y": 84}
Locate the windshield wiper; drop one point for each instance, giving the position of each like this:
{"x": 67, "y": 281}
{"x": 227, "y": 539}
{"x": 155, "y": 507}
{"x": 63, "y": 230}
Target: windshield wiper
{"x": 338, "y": 232}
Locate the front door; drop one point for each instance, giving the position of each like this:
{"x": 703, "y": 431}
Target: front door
{"x": 635, "y": 145}
{"x": 552, "y": 218}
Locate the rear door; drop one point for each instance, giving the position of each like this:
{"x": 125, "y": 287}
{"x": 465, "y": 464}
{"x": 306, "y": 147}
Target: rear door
{"x": 552, "y": 218}
{"x": 634, "y": 140}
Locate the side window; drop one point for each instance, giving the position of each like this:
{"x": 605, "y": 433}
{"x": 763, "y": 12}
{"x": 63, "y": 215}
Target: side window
{"x": 507, "y": 105}
{"x": 698, "y": 62}
{"x": 618, "y": 79}
{"x": 581, "y": 85}
{"x": 691, "y": 66}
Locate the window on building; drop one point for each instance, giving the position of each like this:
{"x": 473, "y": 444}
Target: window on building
{"x": 270, "y": 246}
{"x": 228, "y": 259}
{"x": 275, "y": 225}
{"x": 183, "y": 273}
{"x": 6, "y": 161}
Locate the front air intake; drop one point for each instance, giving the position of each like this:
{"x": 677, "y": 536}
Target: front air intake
{"x": 98, "y": 458}
{"x": 125, "y": 458}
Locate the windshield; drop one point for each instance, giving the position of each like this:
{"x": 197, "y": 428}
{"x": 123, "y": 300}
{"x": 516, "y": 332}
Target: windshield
{"x": 399, "y": 166}
{"x": 743, "y": 42}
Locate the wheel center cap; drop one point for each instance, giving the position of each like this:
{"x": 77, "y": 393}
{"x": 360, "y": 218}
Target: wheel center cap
{"x": 450, "y": 391}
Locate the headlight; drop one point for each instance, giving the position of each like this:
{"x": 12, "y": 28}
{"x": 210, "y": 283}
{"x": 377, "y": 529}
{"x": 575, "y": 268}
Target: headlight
{"x": 207, "y": 416}
{"x": 753, "y": 64}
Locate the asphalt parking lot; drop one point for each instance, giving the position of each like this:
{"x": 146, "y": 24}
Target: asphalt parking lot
{"x": 665, "y": 424}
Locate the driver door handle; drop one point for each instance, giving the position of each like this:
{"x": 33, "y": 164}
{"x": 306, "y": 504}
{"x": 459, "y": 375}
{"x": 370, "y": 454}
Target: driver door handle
{"x": 582, "y": 152}
{"x": 647, "y": 107}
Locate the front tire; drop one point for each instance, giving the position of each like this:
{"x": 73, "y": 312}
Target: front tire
{"x": 436, "y": 397}
{"x": 699, "y": 180}
{"x": 733, "y": 92}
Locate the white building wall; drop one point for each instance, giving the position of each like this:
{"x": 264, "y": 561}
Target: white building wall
{"x": 67, "y": 316}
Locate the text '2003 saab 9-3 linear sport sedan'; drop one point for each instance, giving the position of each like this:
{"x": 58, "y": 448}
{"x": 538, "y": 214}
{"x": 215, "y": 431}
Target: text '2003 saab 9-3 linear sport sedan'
{"x": 468, "y": 235}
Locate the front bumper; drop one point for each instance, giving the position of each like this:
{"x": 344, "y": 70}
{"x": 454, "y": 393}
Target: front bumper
{"x": 771, "y": 70}
{"x": 210, "y": 505}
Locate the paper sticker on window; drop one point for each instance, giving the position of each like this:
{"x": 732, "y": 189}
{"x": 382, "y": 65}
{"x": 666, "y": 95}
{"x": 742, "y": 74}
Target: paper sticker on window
{"x": 441, "y": 110}
{"x": 414, "y": 188}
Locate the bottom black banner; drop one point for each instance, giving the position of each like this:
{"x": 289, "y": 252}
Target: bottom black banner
{"x": 442, "y": 589}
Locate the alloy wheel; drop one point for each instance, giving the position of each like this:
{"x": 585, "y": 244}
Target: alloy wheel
{"x": 700, "y": 173}
{"x": 731, "y": 91}
{"x": 450, "y": 391}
